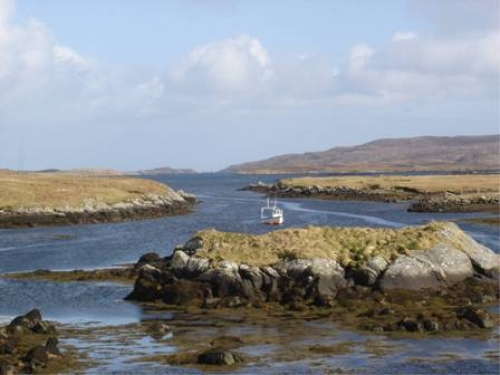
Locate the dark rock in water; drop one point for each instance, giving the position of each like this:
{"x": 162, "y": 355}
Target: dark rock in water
{"x": 411, "y": 325}
{"x": 37, "y": 357}
{"x": 31, "y": 321}
{"x": 476, "y": 316}
{"x": 52, "y": 348}
{"x": 219, "y": 357}
{"x": 146, "y": 287}
{"x": 431, "y": 325}
{"x": 158, "y": 329}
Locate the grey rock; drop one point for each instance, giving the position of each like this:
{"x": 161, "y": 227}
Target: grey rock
{"x": 437, "y": 267}
{"x": 410, "y": 273}
{"x": 193, "y": 244}
{"x": 179, "y": 261}
{"x": 253, "y": 274}
{"x": 450, "y": 265}
{"x": 224, "y": 282}
{"x": 229, "y": 265}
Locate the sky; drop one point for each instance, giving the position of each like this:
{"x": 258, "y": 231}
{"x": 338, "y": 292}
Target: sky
{"x": 205, "y": 84}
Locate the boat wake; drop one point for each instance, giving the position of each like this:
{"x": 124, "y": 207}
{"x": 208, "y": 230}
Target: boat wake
{"x": 369, "y": 219}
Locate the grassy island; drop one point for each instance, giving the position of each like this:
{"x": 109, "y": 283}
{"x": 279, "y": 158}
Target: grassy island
{"x": 347, "y": 246}
{"x": 59, "y": 190}
{"x": 456, "y": 184}
{"x": 30, "y": 199}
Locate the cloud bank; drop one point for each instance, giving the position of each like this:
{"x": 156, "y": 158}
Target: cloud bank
{"x": 44, "y": 81}
{"x": 240, "y": 69}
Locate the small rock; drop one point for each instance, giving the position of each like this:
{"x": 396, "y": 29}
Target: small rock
{"x": 52, "y": 349}
{"x": 158, "y": 329}
{"x": 219, "y": 357}
{"x": 477, "y": 317}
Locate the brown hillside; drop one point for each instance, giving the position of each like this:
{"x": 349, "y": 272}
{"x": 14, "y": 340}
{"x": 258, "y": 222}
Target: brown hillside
{"x": 400, "y": 154}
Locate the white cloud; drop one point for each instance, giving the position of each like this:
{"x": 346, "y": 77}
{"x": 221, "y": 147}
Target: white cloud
{"x": 359, "y": 56}
{"x": 239, "y": 65}
{"x": 64, "y": 55}
{"x": 401, "y": 36}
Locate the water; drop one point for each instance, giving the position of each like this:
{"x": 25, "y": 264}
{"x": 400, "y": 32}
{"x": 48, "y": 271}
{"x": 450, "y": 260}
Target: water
{"x": 222, "y": 207}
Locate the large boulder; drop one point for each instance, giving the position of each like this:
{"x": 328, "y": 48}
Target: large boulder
{"x": 452, "y": 265}
{"x": 484, "y": 260}
{"x": 438, "y": 267}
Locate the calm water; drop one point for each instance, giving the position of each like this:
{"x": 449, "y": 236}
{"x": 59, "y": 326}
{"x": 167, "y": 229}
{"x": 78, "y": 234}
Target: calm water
{"x": 222, "y": 207}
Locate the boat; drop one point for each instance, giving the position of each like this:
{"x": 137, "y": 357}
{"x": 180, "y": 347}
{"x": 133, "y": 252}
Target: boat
{"x": 271, "y": 215}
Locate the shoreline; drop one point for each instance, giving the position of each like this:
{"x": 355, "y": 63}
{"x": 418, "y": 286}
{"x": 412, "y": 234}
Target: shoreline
{"x": 132, "y": 212}
{"x": 418, "y": 201}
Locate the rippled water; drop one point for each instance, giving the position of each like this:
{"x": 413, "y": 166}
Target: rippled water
{"x": 222, "y": 207}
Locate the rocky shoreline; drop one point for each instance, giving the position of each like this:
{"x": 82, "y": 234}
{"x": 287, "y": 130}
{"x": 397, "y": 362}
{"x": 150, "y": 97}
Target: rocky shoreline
{"x": 444, "y": 288}
{"x": 418, "y": 202}
{"x": 150, "y": 206}
{"x": 29, "y": 344}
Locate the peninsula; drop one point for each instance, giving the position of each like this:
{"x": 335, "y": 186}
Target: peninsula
{"x": 30, "y": 199}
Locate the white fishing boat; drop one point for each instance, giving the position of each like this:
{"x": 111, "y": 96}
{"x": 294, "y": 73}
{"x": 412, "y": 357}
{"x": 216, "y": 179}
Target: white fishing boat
{"x": 271, "y": 214}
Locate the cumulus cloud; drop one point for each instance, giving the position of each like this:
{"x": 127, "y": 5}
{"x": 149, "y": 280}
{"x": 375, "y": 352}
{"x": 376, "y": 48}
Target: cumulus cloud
{"x": 239, "y": 65}
{"x": 239, "y": 71}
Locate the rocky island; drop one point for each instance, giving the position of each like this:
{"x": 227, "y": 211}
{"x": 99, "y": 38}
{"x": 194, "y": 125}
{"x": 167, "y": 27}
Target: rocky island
{"x": 30, "y": 199}
{"x": 424, "y": 281}
{"x": 427, "y": 278}
{"x": 425, "y": 193}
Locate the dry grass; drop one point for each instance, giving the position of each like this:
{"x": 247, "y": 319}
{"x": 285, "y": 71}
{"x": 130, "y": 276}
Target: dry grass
{"x": 60, "y": 190}
{"x": 467, "y": 184}
{"x": 348, "y": 246}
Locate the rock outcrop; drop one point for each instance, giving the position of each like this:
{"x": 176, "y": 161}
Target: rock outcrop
{"x": 185, "y": 278}
{"x": 18, "y": 334}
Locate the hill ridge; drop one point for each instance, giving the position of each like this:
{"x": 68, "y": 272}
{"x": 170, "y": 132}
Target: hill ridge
{"x": 440, "y": 153}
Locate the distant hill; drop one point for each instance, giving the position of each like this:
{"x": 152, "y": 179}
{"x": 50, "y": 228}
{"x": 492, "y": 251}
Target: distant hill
{"x": 426, "y": 153}
{"x": 164, "y": 170}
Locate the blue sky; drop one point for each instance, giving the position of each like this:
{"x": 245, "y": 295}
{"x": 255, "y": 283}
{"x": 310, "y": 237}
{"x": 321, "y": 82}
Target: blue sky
{"x": 208, "y": 83}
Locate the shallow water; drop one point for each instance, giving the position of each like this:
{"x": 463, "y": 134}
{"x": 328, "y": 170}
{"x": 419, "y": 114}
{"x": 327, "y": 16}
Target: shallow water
{"x": 222, "y": 207}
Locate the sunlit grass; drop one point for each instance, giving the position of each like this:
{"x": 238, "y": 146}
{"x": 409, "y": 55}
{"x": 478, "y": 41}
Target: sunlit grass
{"x": 458, "y": 184}
{"x": 348, "y": 246}
{"x": 60, "y": 190}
